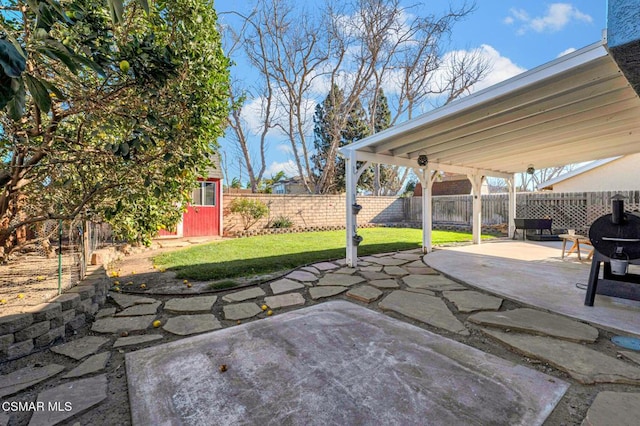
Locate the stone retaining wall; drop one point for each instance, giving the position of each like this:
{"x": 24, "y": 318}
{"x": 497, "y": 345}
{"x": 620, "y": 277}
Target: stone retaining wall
{"x": 21, "y": 334}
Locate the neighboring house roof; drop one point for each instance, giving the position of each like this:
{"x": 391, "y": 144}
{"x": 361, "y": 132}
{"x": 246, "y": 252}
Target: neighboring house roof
{"x": 448, "y": 184}
{"x": 590, "y": 166}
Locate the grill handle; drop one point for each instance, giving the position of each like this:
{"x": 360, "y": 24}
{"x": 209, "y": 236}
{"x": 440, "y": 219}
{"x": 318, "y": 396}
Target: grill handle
{"x": 622, "y": 240}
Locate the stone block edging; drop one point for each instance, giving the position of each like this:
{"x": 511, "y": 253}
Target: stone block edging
{"x": 22, "y": 334}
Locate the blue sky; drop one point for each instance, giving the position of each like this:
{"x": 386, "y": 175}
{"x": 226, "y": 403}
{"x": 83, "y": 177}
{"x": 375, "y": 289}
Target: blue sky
{"x": 514, "y": 35}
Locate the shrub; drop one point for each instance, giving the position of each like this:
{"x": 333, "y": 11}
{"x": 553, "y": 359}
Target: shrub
{"x": 249, "y": 210}
{"x": 282, "y": 222}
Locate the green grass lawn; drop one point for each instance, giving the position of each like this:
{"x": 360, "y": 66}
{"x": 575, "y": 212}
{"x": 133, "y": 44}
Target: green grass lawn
{"x": 269, "y": 253}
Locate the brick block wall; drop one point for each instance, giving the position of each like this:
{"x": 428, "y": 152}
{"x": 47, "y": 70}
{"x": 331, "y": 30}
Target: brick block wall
{"x": 307, "y": 211}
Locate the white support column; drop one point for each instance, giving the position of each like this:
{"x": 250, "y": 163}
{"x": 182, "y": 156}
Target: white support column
{"x": 512, "y": 205}
{"x": 426, "y": 177}
{"x": 476, "y": 220}
{"x": 351, "y": 179}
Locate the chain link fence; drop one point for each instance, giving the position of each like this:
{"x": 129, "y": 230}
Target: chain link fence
{"x": 51, "y": 257}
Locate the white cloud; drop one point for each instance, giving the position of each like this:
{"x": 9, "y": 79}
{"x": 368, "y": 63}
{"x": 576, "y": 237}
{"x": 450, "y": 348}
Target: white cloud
{"x": 284, "y": 148}
{"x": 501, "y": 67}
{"x": 252, "y": 115}
{"x": 566, "y": 51}
{"x": 288, "y": 167}
{"x": 557, "y": 17}
{"x": 254, "y": 109}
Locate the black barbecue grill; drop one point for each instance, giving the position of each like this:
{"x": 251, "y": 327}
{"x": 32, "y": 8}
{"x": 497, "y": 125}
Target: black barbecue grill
{"x": 616, "y": 240}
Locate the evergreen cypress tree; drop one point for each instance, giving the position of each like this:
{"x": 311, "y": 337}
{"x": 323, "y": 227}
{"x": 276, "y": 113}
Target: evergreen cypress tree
{"x": 326, "y": 127}
{"x": 356, "y": 128}
{"x": 381, "y": 121}
{"x": 381, "y": 114}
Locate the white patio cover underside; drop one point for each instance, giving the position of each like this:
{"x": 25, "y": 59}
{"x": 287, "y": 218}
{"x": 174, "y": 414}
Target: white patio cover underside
{"x": 577, "y": 108}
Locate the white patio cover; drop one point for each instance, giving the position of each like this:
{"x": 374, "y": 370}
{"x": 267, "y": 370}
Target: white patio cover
{"x": 576, "y": 108}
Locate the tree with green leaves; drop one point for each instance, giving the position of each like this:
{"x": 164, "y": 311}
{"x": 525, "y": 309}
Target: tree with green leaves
{"x": 330, "y": 124}
{"x": 266, "y": 185}
{"x": 356, "y": 127}
{"x": 110, "y": 110}
{"x": 327, "y": 127}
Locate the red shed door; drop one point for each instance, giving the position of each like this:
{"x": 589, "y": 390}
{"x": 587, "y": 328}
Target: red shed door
{"x": 202, "y": 217}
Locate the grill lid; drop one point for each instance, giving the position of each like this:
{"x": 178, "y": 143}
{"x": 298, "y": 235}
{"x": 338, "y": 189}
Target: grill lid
{"x": 608, "y": 237}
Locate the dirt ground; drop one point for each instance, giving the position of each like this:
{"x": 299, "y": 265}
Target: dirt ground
{"x": 29, "y": 279}
{"x": 138, "y": 269}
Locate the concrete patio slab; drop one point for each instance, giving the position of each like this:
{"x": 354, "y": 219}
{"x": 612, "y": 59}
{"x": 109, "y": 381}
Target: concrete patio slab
{"x": 583, "y": 364}
{"x": 537, "y": 322}
{"x": 342, "y": 364}
{"x": 534, "y": 273}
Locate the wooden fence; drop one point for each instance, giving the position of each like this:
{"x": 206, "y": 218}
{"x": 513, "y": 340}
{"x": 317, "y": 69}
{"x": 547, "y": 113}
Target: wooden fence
{"x": 572, "y": 210}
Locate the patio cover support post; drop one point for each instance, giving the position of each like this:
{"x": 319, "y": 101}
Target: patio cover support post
{"x": 352, "y": 176}
{"x": 426, "y": 177}
{"x": 476, "y": 219}
{"x": 512, "y": 205}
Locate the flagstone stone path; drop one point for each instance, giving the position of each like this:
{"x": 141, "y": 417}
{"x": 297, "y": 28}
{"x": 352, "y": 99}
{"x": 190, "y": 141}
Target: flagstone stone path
{"x": 398, "y": 284}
